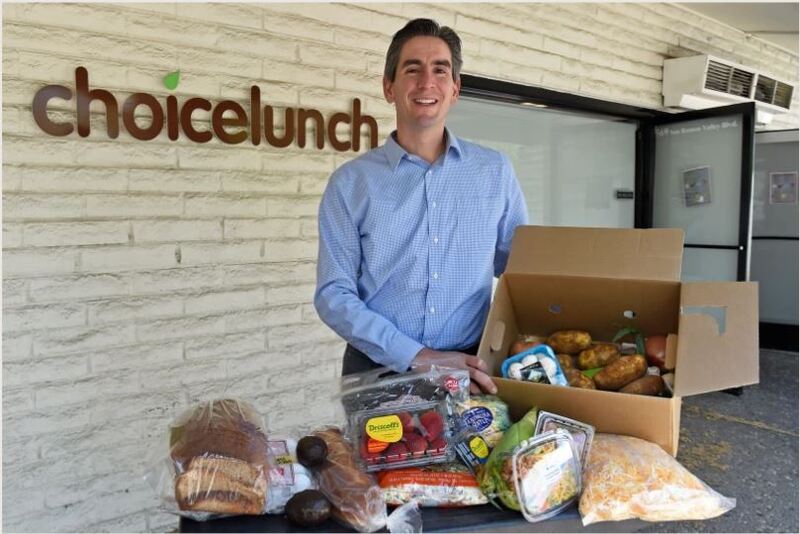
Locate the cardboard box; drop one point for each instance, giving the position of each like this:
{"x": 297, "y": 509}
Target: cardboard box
{"x": 604, "y": 279}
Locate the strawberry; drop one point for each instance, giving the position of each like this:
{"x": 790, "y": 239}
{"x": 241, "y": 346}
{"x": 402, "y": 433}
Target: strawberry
{"x": 433, "y": 424}
{"x": 417, "y": 445}
{"x": 396, "y": 452}
{"x": 437, "y": 446}
{"x": 406, "y": 420}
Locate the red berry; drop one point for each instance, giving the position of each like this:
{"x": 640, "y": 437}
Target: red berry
{"x": 417, "y": 445}
{"x": 437, "y": 446}
{"x": 396, "y": 452}
{"x": 407, "y": 421}
{"x": 432, "y": 423}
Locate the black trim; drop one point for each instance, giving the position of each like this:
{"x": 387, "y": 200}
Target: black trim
{"x": 503, "y": 91}
{"x": 720, "y": 247}
{"x": 778, "y": 336}
{"x": 775, "y": 237}
{"x": 747, "y": 111}
{"x": 748, "y": 168}
{"x": 776, "y": 131}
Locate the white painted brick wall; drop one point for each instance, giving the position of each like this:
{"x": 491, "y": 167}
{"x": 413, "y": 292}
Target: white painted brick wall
{"x": 139, "y": 277}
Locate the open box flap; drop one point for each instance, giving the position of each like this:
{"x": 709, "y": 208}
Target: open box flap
{"x": 718, "y": 337}
{"x": 646, "y": 254}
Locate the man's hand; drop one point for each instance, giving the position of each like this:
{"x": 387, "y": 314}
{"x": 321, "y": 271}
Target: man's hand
{"x": 478, "y": 370}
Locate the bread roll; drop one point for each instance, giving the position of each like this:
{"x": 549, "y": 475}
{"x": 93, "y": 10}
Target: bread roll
{"x": 356, "y": 497}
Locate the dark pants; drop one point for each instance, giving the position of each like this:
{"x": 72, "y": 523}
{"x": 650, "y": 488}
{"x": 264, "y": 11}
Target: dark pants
{"x": 356, "y": 361}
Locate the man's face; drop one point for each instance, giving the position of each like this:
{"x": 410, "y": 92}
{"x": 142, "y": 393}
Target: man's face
{"x": 423, "y": 89}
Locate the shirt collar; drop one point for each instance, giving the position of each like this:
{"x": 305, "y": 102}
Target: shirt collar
{"x": 394, "y": 152}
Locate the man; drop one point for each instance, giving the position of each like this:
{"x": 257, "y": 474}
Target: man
{"x": 412, "y": 232}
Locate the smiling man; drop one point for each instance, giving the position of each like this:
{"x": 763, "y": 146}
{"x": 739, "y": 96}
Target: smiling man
{"x": 412, "y": 232}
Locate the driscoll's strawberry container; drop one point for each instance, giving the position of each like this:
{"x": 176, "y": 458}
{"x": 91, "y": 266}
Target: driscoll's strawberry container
{"x": 408, "y": 435}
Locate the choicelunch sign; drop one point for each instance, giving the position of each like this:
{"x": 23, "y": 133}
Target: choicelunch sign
{"x": 255, "y": 123}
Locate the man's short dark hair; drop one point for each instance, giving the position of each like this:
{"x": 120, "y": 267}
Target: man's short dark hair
{"x": 425, "y": 28}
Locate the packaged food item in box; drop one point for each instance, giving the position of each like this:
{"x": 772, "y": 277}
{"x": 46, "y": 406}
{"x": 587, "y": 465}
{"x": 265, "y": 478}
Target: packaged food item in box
{"x": 442, "y": 485}
{"x": 627, "y": 477}
{"x": 495, "y": 475}
{"x": 582, "y": 433}
{"x": 486, "y": 415}
{"x": 217, "y": 462}
{"x": 536, "y": 364}
{"x": 482, "y": 426}
{"x": 356, "y": 499}
{"x": 374, "y": 389}
{"x": 546, "y": 474}
{"x": 403, "y": 436}
{"x": 287, "y": 477}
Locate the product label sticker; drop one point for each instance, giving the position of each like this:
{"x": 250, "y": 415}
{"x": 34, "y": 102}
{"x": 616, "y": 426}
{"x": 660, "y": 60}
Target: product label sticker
{"x": 478, "y": 418}
{"x": 479, "y": 447}
{"x": 451, "y": 384}
{"x": 386, "y": 428}
{"x": 281, "y": 470}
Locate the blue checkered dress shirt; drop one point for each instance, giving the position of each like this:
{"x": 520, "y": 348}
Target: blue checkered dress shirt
{"x": 408, "y": 249}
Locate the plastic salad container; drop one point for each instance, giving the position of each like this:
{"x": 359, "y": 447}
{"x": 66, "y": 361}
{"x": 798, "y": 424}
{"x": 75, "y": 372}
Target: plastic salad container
{"x": 547, "y": 474}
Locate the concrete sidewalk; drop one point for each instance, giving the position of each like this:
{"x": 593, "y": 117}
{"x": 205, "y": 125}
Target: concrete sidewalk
{"x": 746, "y": 447}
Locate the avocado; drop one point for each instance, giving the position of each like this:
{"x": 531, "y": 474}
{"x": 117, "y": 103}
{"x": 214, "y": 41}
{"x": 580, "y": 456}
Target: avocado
{"x": 311, "y": 451}
{"x": 309, "y": 508}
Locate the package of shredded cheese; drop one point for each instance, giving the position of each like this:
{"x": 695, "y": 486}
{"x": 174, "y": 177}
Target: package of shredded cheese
{"x": 627, "y": 478}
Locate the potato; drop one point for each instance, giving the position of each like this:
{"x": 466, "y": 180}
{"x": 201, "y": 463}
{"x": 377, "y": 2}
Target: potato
{"x": 620, "y": 373}
{"x": 598, "y": 355}
{"x": 647, "y": 385}
{"x": 566, "y": 361}
{"x": 577, "y": 379}
{"x": 569, "y": 341}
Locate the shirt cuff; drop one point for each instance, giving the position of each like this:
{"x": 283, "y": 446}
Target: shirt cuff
{"x": 404, "y": 350}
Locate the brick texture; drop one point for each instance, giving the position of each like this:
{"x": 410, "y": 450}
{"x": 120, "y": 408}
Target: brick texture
{"x": 141, "y": 276}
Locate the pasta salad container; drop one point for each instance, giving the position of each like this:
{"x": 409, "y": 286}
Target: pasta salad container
{"x": 547, "y": 474}
{"x": 582, "y": 433}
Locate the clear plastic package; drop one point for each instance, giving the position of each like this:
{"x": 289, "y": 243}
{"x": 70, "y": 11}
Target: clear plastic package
{"x": 287, "y": 476}
{"x": 446, "y": 485}
{"x": 582, "y": 433}
{"x": 217, "y": 462}
{"x": 628, "y": 477}
{"x": 536, "y": 364}
{"x": 376, "y": 389}
{"x": 356, "y": 499}
{"x": 408, "y": 435}
{"x": 547, "y": 474}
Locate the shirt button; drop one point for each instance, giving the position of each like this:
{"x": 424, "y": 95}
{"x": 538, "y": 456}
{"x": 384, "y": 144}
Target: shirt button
{"x": 435, "y": 276}
{"x": 434, "y": 204}
{"x": 428, "y": 174}
{"x": 435, "y": 240}
{"x": 433, "y": 310}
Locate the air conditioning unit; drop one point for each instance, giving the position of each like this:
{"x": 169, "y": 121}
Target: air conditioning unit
{"x": 699, "y": 82}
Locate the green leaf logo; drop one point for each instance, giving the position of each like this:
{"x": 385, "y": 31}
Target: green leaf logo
{"x": 171, "y": 80}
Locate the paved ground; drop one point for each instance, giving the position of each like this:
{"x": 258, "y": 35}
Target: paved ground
{"x": 746, "y": 447}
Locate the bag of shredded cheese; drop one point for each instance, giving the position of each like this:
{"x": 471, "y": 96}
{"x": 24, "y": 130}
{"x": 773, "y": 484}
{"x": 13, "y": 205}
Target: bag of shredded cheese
{"x": 627, "y": 478}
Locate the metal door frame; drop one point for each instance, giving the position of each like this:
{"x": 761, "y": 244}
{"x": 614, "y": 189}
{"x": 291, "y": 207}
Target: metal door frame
{"x": 644, "y": 204}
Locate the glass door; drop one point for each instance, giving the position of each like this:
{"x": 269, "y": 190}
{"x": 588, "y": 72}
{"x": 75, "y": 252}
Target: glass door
{"x": 575, "y": 168}
{"x": 699, "y": 177}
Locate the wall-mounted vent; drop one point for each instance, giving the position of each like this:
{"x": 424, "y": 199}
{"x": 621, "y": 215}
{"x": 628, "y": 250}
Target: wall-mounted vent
{"x": 728, "y": 79}
{"x": 698, "y": 82}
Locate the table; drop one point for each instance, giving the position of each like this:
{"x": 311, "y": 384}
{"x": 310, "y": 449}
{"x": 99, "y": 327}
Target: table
{"x": 484, "y": 518}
